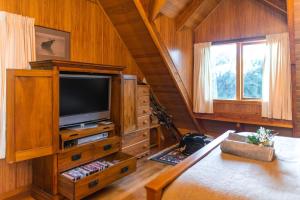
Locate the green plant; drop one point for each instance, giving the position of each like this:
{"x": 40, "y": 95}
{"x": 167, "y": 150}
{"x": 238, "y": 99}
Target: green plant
{"x": 262, "y": 137}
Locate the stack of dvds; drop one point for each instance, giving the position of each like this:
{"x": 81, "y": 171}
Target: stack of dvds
{"x": 87, "y": 169}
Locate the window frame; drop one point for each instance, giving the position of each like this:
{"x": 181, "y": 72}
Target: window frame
{"x": 239, "y": 68}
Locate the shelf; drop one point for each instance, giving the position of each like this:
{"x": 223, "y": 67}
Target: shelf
{"x": 93, "y": 143}
{"x": 70, "y": 134}
{"x": 247, "y": 120}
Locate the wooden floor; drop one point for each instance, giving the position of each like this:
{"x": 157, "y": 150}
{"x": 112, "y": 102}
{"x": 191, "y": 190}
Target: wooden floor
{"x": 132, "y": 187}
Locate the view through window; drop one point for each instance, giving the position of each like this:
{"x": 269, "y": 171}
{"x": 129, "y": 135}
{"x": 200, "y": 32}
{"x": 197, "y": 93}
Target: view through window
{"x": 237, "y": 70}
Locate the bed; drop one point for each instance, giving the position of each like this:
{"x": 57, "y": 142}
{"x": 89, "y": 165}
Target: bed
{"x": 210, "y": 174}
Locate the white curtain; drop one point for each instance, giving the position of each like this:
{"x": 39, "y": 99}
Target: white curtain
{"x": 17, "y": 49}
{"x": 203, "y": 88}
{"x": 276, "y": 86}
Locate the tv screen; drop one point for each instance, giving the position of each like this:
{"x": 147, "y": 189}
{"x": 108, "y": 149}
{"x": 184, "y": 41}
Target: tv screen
{"x": 83, "y": 98}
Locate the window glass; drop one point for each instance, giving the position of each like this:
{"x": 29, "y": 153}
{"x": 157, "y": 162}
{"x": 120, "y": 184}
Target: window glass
{"x": 224, "y": 71}
{"x": 253, "y": 60}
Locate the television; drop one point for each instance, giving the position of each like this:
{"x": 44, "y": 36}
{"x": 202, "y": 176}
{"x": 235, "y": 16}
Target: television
{"x": 83, "y": 99}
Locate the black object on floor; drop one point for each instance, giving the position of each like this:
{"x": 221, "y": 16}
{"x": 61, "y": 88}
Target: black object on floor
{"x": 189, "y": 144}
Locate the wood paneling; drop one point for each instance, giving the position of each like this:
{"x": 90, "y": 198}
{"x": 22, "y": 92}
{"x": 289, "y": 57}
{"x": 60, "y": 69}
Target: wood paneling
{"x": 173, "y": 7}
{"x": 240, "y": 19}
{"x": 234, "y": 19}
{"x": 195, "y": 12}
{"x": 31, "y": 114}
{"x": 180, "y": 47}
{"x": 129, "y": 104}
{"x": 153, "y": 58}
{"x": 297, "y": 68}
{"x": 279, "y": 5}
{"x": 93, "y": 39}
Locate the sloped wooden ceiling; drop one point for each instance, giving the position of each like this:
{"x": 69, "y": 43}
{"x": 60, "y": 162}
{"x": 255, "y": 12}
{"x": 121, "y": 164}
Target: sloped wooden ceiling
{"x": 152, "y": 57}
{"x": 190, "y": 13}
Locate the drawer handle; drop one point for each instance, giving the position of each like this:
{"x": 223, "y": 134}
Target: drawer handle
{"x": 145, "y": 122}
{"x": 76, "y": 157}
{"x": 144, "y": 134}
{"x": 145, "y": 111}
{"x": 107, "y": 147}
{"x": 93, "y": 183}
{"x": 144, "y": 101}
{"x": 124, "y": 170}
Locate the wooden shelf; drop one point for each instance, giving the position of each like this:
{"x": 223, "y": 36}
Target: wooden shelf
{"x": 247, "y": 120}
{"x": 70, "y": 134}
{"x": 93, "y": 143}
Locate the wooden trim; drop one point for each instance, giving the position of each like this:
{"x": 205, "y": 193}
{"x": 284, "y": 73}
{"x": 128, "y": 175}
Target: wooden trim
{"x": 187, "y": 13}
{"x": 169, "y": 62}
{"x": 155, "y": 8}
{"x": 50, "y": 64}
{"x": 239, "y": 71}
{"x": 156, "y": 186}
{"x": 291, "y": 29}
{"x": 242, "y": 44}
{"x": 276, "y": 5}
{"x": 237, "y": 40}
{"x": 246, "y": 120}
{"x": 242, "y": 101}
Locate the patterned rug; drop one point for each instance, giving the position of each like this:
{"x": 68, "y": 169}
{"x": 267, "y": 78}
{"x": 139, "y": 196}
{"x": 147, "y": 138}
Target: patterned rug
{"x": 171, "y": 155}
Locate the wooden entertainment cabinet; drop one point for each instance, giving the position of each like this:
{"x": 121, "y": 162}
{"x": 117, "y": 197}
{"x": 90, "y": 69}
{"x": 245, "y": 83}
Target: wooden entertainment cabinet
{"x": 33, "y": 131}
{"x": 136, "y": 132}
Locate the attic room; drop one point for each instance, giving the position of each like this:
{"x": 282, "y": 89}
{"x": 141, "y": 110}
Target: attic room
{"x": 150, "y": 99}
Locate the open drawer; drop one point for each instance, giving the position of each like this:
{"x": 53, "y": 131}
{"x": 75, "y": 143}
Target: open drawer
{"x": 123, "y": 165}
{"x": 82, "y": 154}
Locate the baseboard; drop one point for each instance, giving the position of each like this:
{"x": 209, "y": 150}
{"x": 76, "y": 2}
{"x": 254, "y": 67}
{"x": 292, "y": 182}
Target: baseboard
{"x": 17, "y": 193}
{"x": 40, "y": 194}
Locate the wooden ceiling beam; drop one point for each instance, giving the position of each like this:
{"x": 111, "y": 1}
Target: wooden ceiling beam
{"x": 195, "y": 13}
{"x": 279, "y": 5}
{"x": 155, "y": 8}
{"x": 187, "y": 12}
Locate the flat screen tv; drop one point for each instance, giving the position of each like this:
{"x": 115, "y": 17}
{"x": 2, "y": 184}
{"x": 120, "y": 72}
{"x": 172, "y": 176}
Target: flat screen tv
{"x": 83, "y": 99}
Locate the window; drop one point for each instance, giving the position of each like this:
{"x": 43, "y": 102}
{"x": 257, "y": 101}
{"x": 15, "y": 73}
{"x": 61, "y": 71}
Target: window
{"x": 237, "y": 70}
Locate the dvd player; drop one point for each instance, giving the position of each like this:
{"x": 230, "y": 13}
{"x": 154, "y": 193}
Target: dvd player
{"x": 84, "y": 140}
{"x": 92, "y": 138}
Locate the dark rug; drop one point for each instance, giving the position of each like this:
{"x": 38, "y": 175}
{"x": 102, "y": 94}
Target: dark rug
{"x": 171, "y": 155}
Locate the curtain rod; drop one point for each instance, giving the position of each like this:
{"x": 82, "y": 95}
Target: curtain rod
{"x": 239, "y": 40}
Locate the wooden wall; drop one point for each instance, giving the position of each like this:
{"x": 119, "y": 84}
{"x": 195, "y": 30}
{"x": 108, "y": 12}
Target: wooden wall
{"x": 180, "y": 47}
{"x": 93, "y": 39}
{"x": 234, "y": 19}
{"x": 240, "y": 19}
{"x": 297, "y": 55}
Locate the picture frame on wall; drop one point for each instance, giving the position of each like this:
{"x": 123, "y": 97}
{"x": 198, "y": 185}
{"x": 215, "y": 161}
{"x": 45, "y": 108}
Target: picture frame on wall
{"x": 51, "y": 44}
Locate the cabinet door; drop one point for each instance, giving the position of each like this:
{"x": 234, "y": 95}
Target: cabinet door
{"x": 129, "y": 104}
{"x": 32, "y": 114}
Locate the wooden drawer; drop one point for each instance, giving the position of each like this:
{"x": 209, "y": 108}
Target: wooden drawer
{"x": 144, "y": 122}
{"x": 135, "y": 137}
{"x": 138, "y": 149}
{"x": 143, "y": 90}
{"x": 143, "y": 101}
{"x": 90, "y": 184}
{"x": 77, "y": 156}
{"x": 144, "y": 110}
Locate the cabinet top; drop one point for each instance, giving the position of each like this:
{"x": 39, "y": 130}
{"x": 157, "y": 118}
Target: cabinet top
{"x": 62, "y": 65}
